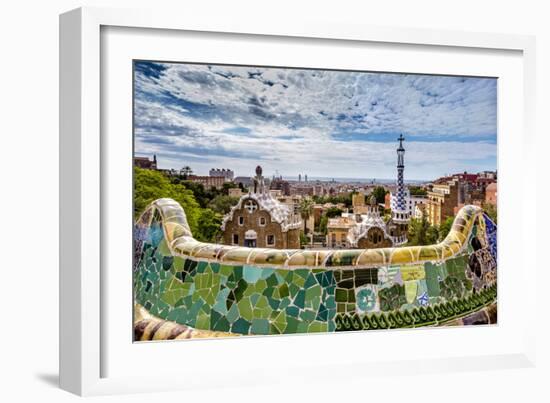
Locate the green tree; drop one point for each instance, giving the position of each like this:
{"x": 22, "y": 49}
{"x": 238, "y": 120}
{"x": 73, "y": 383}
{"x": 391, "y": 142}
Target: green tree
{"x": 306, "y": 209}
{"x": 445, "y": 227}
{"x": 318, "y": 199}
{"x": 201, "y": 195}
{"x": 209, "y": 226}
{"x": 380, "y": 193}
{"x": 417, "y": 191}
{"x": 344, "y": 198}
{"x": 227, "y": 186}
{"x": 222, "y": 204}
{"x": 432, "y": 235}
{"x": 323, "y": 224}
{"x": 303, "y": 240}
{"x": 491, "y": 211}
{"x": 333, "y": 212}
{"x": 150, "y": 185}
{"x": 421, "y": 232}
{"x": 186, "y": 171}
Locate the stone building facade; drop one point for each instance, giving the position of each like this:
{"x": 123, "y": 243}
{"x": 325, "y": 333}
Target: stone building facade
{"x": 371, "y": 231}
{"x": 337, "y": 231}
{"x": 260, "y": 220}
{"x": 208, "y": 181}
{"x": 227, "y": 174}
{"x": 362, "y": 231}
{"x": 376, "y": 237}
{"x": 442, "y": 200}
{"x": 145, "y": 162}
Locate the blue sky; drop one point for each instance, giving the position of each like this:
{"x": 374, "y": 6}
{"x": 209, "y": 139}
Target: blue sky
{"x": 316, "y": 122}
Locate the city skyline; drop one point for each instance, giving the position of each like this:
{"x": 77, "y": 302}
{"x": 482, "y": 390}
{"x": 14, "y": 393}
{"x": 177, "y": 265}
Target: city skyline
{"x": 328, "y": 124}
{"x": 302, "y": 177}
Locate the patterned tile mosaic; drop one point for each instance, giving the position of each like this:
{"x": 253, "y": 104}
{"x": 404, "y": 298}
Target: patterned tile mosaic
{"x": 223, "y": 290}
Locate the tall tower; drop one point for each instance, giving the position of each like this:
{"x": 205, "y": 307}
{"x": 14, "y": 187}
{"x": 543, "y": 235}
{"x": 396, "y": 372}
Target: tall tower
{"x": 400, "y": 205}
{"x": 400, "y": 213}
{"x": 258, "y": 181}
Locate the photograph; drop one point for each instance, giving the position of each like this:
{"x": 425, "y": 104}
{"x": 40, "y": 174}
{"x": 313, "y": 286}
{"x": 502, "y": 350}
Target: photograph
{"x": 271, "y": 200}
{"x": 255, "y": 202}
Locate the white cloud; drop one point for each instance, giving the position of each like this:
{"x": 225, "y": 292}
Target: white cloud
{"x": 326, "y": 123}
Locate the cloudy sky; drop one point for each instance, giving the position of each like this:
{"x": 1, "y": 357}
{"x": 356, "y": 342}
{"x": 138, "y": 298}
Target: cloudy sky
{"x": 322, "y": 123}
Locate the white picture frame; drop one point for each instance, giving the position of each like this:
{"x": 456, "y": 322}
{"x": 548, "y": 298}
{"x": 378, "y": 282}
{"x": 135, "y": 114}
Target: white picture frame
{"x": 84, "y": 299}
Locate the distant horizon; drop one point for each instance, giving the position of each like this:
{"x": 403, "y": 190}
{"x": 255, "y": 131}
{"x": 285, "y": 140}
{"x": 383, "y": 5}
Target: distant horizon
{"x": 330, "y": 123}
{"x": 312, "y": 178}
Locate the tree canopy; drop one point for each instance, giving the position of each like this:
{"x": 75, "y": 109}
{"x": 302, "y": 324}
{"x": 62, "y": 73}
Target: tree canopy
{"x": 333, "y": 212}
{"x": 491, "y": 211}
{"x": 380, "y": 193}
{"x": 222, "y": 204}
{"x": 421, "y": 232}
{"x": 344, "y": 198}
{"x": 417, "y": 191}
{"x": 150, "y": 185}
{"x": 306, "y": 208}
{"x": 323, "y": 221}
{"x": 445, "y": 227}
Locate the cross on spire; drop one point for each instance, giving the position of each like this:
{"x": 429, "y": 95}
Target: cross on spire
{"x": 400, "y": 139}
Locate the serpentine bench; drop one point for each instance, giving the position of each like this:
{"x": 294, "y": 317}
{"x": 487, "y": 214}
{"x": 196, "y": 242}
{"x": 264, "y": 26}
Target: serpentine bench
{"x": 184, "y": 288}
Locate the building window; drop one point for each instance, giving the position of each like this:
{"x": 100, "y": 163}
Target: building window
{"x": 262, "y": 221}
{"x": 235, "y": 239}
{"x": 251, "y": 206}
{"x": 271, "y": 240}
{"x": 241, "y": 220}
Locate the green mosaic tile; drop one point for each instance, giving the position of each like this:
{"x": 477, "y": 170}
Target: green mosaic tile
{"x": 293, "y": 290}
{"x": 313, "y": 292}
{"x": 341, "y": 295}
{"x": 251, "y": 274}
{"x": 241, "y": 326}
{"x": 247, "y": 299}
{"x": 308, "y": 315}
{"x": 292, "y": 311}
{"x": 292, "y": 325}
{"x": 203, "y": 322}
{"x": 299, "y": 301}
{"x": 284, "y": 303}
{"x": 310, "y": 281}
{"x": 260, "y": 326}
{"x": 245, "y": 309}
{"x": 272, "y": 281}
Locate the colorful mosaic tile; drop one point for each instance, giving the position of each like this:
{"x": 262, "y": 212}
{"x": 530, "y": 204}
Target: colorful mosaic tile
{"x": 222, "y": 290}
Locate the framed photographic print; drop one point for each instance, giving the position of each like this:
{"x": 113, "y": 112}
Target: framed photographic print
{"x": 326, "y": 233}
{"x": 279, "y": 194}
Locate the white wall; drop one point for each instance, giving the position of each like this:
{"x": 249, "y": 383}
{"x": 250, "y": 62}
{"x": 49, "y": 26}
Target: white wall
{"x": 28, "y": 197}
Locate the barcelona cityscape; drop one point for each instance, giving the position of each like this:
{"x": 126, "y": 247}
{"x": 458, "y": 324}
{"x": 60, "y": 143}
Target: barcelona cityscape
{"x": 279, "y": 201}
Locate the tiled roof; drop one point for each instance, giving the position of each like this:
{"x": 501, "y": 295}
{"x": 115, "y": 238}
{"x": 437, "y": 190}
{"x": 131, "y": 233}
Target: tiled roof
{"x": 279, "y": 212}
{"x": 360, "y": 230}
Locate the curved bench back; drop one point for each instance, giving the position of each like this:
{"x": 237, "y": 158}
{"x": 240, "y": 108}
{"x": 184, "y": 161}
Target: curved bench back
{"x": 271, "y": 291}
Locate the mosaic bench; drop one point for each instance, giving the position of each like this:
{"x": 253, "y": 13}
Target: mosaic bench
{"x": 184, "y": 288}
